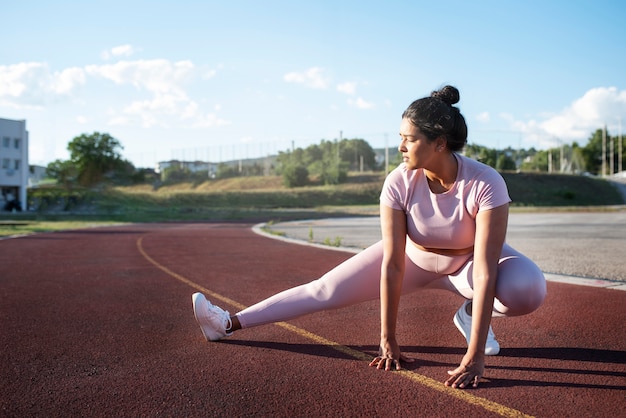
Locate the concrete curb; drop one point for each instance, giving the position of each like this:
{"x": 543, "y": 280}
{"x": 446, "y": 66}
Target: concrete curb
{"x": 262, "y": 228}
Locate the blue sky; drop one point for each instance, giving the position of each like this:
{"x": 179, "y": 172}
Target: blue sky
{"x": 214, "y": 81}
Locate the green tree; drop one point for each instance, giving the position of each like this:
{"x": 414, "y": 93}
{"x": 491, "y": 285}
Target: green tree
{"x": 292, "y": 167}
{"x": 355, "y": 150}
{"x": 64, "y": 172}
{"x": 592, "y": 152}
{"x": 488, "y": 156}
{"x": 288, "y": 158}
{"x": 331, "y": 169}
{"x": 225, "y": 171}
{"x": 295, "y": 175}
{"x": 505, "y": 162}
{"x": 578, "y": 160}
{"x": 95, "y": 156}
{"x": 175, "y": 174}
{"x": 538, "y": 162}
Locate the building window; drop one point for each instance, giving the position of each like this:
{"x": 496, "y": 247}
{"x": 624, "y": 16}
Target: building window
{"x": 16, "y": 143}
{"x": 16, "y": 164}
{"x": 5, "y": 163}
{"x": 6, "y": 141}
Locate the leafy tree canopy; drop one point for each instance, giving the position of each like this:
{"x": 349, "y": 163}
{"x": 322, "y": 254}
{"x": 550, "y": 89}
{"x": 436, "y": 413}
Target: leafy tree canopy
{"x": 94, "y": 156}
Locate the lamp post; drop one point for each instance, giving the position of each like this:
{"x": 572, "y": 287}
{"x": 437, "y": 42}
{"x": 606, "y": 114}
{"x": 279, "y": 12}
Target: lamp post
{"x": 604, "y": 151}
{"x": 619, "y": 154}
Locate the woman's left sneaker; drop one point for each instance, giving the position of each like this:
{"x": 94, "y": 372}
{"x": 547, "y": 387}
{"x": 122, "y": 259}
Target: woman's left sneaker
{"x": 463, "y": 322}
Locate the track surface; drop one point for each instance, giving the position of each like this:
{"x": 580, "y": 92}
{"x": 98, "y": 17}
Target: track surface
{"x": 99, "y": 323}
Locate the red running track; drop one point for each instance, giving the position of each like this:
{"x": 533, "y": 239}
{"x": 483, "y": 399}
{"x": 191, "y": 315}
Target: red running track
{"x": 98, "y": 322}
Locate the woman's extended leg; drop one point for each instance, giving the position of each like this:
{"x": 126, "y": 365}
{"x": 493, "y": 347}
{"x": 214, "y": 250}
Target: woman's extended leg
{"x": 353, "y": 281}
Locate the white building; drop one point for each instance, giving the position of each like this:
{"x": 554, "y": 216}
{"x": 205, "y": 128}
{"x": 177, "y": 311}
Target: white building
{"x": 192, "y": 166}
{"x": 36, "y": 175}
{"x": 13, "y": 163}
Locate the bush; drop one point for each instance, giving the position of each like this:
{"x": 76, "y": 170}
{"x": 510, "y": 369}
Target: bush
{"x": 295, "y": 176}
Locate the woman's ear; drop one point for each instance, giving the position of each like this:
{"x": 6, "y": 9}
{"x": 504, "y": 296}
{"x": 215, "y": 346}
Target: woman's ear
{"x": 441, "y": 144}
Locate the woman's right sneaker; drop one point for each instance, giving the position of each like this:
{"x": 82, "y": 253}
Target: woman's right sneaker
{"x": 214, "y": 321}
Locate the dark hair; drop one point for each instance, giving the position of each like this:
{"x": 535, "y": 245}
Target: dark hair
{"x": 436, "y": 116}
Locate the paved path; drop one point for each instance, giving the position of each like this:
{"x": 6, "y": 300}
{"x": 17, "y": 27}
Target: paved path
{"x": 581, "y": 246}
{"x": 98, "y": 323}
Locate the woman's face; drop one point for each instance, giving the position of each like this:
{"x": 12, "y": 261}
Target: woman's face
{"x": 417, "y": 151}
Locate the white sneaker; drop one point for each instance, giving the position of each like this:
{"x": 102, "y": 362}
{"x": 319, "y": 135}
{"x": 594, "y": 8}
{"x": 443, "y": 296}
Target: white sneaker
{"x": 213, "y": 320}
{"x": 463, "y": 322}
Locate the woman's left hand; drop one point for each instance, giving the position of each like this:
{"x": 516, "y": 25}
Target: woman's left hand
{"x": 468, "y": 373}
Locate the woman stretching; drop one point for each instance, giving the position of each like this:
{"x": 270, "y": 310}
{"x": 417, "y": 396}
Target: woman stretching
{"x": 443, "y": 220}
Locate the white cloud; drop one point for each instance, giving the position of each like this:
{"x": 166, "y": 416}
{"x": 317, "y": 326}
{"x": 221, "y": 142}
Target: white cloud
{"x": 361, "y": 103}
{"x": 156, "y": 76}
{"x": 347, "y": 87}
{"x": 32, "y": 84}
{"x": 202, "y": 120}
{"x": 119, "y": 120}
{"x": 483, "y": 117}
{"x": 209, "y": 120}
{"x": 313, "y": 78}
{"x": 64, "y": 82}
{"x": 81, "y": 119}
{"x": 209, "y": 74}
{"x": 577, "y": 122}
{"x": 165, "y": 82}
{"x": 599, "y": 106}
{"x": 118, "y": 51}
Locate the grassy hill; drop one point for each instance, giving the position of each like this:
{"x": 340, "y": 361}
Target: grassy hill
{"x": 265, "y": 199}
{"x": 543, "y": 190}
{"x": 265, "y": 196}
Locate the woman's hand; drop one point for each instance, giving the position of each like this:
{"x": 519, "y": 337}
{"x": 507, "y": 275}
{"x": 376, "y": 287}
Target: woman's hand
{"x": 388, "y": 355}
{"x": 468, "y": 373}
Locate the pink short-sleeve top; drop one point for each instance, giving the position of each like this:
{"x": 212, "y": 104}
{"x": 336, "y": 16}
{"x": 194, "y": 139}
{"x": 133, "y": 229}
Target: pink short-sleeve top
{"x": 445, "y": 220}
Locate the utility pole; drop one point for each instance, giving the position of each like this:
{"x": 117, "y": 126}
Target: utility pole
{"x": 550, "y": 160}
{"x": 338, "y": 145}
{"x": 619, "y": 154}
{"x": 604, "y": 151}
{"x": 561, "y": 164}
{"x": 386, "y": 156}
{"x": 612, "y": 156}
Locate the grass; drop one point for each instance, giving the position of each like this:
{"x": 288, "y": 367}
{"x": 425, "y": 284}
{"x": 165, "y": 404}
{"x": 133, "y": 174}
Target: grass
{"x": 559, "y": 190}
{"x": 262, "y": 199}
{"x": 8, "y": 229}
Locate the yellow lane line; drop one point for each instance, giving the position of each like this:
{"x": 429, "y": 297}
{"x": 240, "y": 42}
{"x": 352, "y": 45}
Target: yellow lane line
{"x": 463, "y": 395}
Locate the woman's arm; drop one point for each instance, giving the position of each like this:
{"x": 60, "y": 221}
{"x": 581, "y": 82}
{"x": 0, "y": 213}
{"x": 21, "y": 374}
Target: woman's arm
{"x": 393, "y": 228}
{"x": 490, "y": 235}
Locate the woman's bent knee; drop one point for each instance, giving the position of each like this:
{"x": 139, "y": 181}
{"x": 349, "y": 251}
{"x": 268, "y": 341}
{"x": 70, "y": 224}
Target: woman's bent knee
{"x": 521, "y": 293}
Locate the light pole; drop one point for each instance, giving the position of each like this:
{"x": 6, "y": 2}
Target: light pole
{"x": 604, "y": 151}
{"x": 619, "y": 154}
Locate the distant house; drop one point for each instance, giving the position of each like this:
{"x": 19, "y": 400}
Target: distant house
{"x": 192, "y": 166}
{"x": 36, "y": 175}
{"x": 14, "y": 171}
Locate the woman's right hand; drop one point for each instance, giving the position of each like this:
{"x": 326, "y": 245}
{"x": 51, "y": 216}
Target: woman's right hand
{"x": 388, "y": 355}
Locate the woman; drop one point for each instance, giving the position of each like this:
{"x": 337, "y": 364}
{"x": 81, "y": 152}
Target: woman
{"x": 443, "y": 221}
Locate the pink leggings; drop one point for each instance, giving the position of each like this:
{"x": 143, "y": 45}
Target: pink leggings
{"x": 520, "y": 288}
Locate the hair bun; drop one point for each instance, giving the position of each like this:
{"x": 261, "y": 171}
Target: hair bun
{"x": 448, "y": 94}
